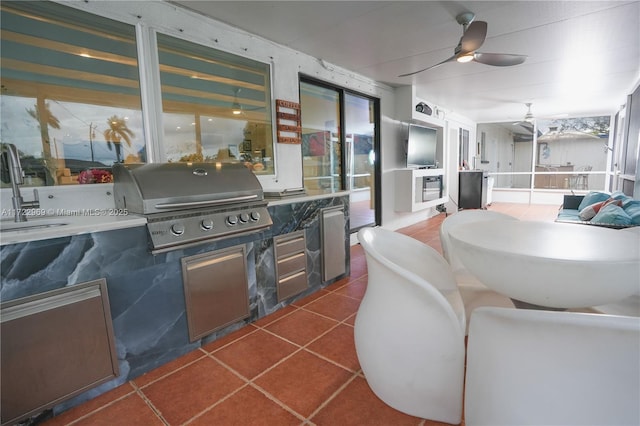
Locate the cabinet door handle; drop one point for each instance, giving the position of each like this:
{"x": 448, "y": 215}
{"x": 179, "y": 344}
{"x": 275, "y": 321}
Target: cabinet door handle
{"x": 58, "y": 298}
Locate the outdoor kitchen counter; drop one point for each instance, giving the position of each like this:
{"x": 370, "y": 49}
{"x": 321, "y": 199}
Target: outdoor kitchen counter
{"x": 146, "y": 290}
{"x": 74, "y": 223}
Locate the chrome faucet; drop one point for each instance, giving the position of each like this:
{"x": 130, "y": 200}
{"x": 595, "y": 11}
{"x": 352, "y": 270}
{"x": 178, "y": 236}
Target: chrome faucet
{"x": 16, "y": 174}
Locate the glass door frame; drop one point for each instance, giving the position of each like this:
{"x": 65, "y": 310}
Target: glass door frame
{"x": 343, "y": 134}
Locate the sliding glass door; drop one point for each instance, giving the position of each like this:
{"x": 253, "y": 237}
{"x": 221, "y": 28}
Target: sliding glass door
{"x": 360, "y": 129}
{"x": 339, "y": 144}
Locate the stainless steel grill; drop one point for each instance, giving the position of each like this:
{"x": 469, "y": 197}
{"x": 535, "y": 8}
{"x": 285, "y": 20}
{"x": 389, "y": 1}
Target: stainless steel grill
{"x": 191, "y": 203}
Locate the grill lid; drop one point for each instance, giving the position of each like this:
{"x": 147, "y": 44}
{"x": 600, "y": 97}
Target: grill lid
{"x": 161, "y": 187}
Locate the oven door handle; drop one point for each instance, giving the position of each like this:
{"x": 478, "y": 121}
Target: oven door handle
{"x": 205, "y": 203}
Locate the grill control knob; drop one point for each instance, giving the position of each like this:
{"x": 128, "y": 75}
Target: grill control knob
{"x": 177, "y": 229}
{"x": 255, "y": 216}
{"x": 232, "y": 220}
{"x": 244, "y": 218}
{"x": 206, "y": 224}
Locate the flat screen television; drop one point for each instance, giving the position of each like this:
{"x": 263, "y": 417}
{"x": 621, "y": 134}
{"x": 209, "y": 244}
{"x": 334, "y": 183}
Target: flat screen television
{"x": 421, "y": 147}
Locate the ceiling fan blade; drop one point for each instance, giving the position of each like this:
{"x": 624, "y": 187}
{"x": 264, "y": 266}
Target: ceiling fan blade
{"x": 428, "y": 68}
{"x": 525, "y": 125}
{"x": 473, "y": 37}
{"x": 499, "y": 59}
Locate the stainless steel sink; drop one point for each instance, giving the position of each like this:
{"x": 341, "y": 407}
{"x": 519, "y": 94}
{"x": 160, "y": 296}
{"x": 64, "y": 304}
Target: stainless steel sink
{"x": 10, "y": 226}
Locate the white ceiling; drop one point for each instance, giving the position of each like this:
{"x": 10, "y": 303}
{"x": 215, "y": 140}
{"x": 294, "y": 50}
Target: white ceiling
{"x": 583, "y": 56}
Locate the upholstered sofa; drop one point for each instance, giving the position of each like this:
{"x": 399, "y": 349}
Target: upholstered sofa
{"x": 615, "y": 210}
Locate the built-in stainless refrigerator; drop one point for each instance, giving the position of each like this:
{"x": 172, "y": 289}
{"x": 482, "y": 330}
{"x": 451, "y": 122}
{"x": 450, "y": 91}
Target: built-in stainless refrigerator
{"x": 472, "y": 189}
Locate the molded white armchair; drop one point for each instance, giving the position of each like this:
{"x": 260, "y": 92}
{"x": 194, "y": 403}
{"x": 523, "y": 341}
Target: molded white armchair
{"x": 473, "y": 292}
{"x": 409, "y": 329}
{"x": 629, "y": 306}
{"x": 535, "y": 367}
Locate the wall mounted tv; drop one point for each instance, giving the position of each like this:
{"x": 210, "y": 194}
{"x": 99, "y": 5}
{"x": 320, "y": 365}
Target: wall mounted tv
{"x": 422, "y": 143}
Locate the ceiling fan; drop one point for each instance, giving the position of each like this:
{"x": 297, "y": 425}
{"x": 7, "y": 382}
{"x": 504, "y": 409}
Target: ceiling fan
{"x": 473, "y": 35}
{"x": 527, "y": 121}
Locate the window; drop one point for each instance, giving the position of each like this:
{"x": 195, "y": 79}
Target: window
{"x": 71, "y": 99}
{"x": 570, "y": 154}
{"x": 574, "y": 152}
{"x": 70, "y": 93}
{"x": 216, "y": 106}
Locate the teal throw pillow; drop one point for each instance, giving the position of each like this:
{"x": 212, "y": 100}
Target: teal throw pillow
{"x": 592, "y": 198}
{"x": 612, "y": 215}
{"x": 632, "y": 208}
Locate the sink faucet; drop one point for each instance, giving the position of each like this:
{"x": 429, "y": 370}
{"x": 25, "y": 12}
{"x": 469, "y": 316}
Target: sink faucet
{"x": 16, "y": 174}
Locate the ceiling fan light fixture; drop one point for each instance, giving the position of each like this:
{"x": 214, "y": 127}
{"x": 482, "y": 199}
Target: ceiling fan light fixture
{"x": 467, "y": 57}
{"x": 236, "y": 108}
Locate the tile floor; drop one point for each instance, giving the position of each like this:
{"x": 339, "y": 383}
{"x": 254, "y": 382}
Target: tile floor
{"x": 297, "y": 366}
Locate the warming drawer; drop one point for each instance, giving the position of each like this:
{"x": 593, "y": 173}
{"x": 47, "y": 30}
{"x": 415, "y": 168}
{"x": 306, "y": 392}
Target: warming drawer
{"x": 216, "y": 290}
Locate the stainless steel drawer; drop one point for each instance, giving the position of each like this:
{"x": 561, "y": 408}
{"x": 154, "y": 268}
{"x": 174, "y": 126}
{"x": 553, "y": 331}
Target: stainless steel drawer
{"x": 287, "y": 246}
{"x": 290, "y": 264}
{"x": 292, "y": 285}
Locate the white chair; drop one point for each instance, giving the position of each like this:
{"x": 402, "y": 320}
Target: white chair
{"x": 473, "y": 292}
{"x": 535, "y": 367}
{"x": 409, "y": 329}
{"x": 631, "y": 305}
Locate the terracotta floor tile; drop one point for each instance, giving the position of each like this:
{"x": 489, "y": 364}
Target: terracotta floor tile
{"x": 338, "y": 346}
{"x": 167, "y": 368}
{"x": 130, "y": 411}
{"x": 358, "y": 267}
{"x": 217, "y": 344}
{"x": 301, "y": 327}
{"x": 254, "y": 353}
{"x": 355, "y": 288}
{"x": 274, "y": 316}
{"x": 338, "y": 284}
{"x": 351, "y": 320}
{"x": 357, "y": 251}
{"x": 303, "y": 382}
{"x": 357, "y": 405}
{"x": 334, "y": 306}
{"x": 247, "y": 407}
{"x": 91, "y": 405}
{"x": 310, "y": 298}
{"x": 187, "y": 392}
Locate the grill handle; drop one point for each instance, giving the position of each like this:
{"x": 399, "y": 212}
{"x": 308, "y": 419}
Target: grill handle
{"x": 205, "y": 203}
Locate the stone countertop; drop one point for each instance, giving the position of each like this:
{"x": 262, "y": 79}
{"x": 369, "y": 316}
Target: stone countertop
{"x": 275, "y": 201}
{"x": 81, "y": 222}
{"x": 75, "y": 222}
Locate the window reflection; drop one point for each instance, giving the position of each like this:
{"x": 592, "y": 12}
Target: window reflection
{"x": 70, "y": 93}
{"x": 216, "y": 106}
{"x": 321, "y": 143}
{"x": 569, "y": 154}
{"x": 572, "y": 153}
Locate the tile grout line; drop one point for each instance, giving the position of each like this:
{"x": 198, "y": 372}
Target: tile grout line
{"x": 333, "y": 395}
{"x": 102, "y": 407}
{"x": 150, "y": 404}
{"x": 250, "y": 382}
